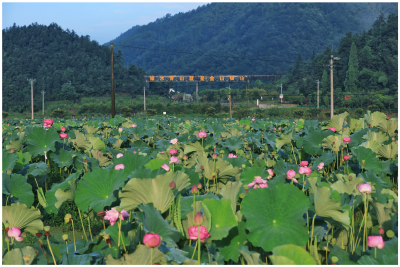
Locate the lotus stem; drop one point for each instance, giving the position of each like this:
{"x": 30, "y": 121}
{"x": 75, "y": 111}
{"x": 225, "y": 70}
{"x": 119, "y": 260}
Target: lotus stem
{"x": 73, "y": 233}
{"x": 194, "y": 251}
{"x": 7, "y": 200}
{"x": 151, "y": 256}
{"x": 194, "y": 205}
{"x": 123, "y": 243}
{"x": 365, "y": 224}
{"x": 293, "y": 153}
{"x": 119, "y": 233}
{"x": 312, "y": 230}
{"x": 84, "y": 232}
{"x": 66, "y": 243}
{"x": 199, "y": 244}
{"x": 8, "y": 247}
{"x": 40, "y": 245}
{"x": 90, "y": 230}
{"x": 242, "y": 260}
{"x": 375, "y": 252}
{"x": 51, "y": 251}
{"x": 104, "y": 225}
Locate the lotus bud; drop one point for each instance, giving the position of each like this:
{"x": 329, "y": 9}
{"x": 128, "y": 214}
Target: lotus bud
{"x": 172, "y": 185}
{"x": 67, "y": 218}
{"x": 202, "y": 167}
{"x": 248, "y": 148}
{"x": 387, "y": 117}
{"x": 393, "y": 138}
{"x": 134, "y": 151}
{"x": 194, "y": 189}
{"x": 216, "y": 170}
{"x": 199, "y": 186}
{"x": 65, "y": 237}
{"x": 198, "y": 219}
{"x": 381, "y": 231}
{"x": 214, "y": 156}
{"x": 12, "y": 150}
{"x": 151, "y": 240}
{"x": 185, "y": 157}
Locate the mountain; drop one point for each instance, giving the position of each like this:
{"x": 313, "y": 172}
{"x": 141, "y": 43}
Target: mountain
{"x": 268, "y": 31}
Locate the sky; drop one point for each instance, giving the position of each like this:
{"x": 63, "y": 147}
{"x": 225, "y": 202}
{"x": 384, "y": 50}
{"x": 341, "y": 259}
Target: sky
{"x": 102, "y": 21}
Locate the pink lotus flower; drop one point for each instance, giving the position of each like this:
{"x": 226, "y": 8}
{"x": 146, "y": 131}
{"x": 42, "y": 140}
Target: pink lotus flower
{"x": 134, "y": 125}
{"x": 113, "y": 215}
{"x": 12, "y": 150}
{"x": 375, "y": 241}
{"x": 119, "y": 167}
{"x": 119, "y": 155}
{"x": 202, "y": 134}
{"x": 271, "y": 173}
{"x": 120, "y": 130}
{"x": 173, "y": 160}
{"x": 44, "y": 125}
{"x": 303, "y": 164}
{"x": 198, "y": 219}
{"x": 173, "y": 152}
{"x": 151, "y": 240}
{"x": 174, "y": 141}
{"x": 321, "y": 166}
{"x": 231, "y": 156}
{"x": 49, "y": 122}
{"x": 16, "y": 127}
{"x": 165, "y": 167}
{"x": 290, "y": 174}
{"x": 63, "y": 135}
{"x": 253, "y": 119}
{"x": 307, "y": 171}
{"x": 15, "y": 232}
{"x": 346, "y": 140}
{"x": 274, "y": 129}
{"x": 63, "y": 129}
{"x": 263, "y": 186}
{"x": 346, "y": 157}
{"x": 162, "y": 152}
{"x": 332, "y": 129}
{"x": 381, "y": 231}
{"x": 194, "y": 189}
{"x": 194, "y": 233}
{"x": 365, "y": 188}
{"x": 279, "y": 128}
{"x": 302, "y": 170}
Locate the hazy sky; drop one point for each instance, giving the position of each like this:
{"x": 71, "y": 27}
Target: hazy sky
{"x": 102, "y": 21}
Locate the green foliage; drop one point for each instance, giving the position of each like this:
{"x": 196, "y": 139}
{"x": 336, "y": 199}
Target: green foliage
{"x": 126, "y": 111}
{"x": 151, "y": 112}
{"x": 5, "y": 115}
{"x": 373, "y": 108}
{"x": 58, "y": 113}
{"x": 299, "y": 113}
{"x": 210, "y": 112}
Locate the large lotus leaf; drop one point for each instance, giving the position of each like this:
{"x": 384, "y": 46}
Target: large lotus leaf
{"x": 251, "y": 257}
{"x": 336, "y": 122}
{"x": 193, "y": 147}
{"x": 24, "y": 158}
{"x": 345, "y": 185}
{"x": 103, "y": 160}
{"x": 368, "y": 157}
{"x": 273, "y": 222}
{"x": 356, "y": 138}
{"x": 97, "y": 144}
{"x": 35, "y": 169}
{"x": 389, "y": 151}
{"x": 225, "y": 169}
{"x": 371, "y": 178}
{"x": 291, "y": 255}
{"x": 17, "y": 144}
{"x": 76, "y": 259}
{"x": 333, "y": 142}
{"x": 63, "y": 158}
{"x": 156, "y": 164}
{"x": 373, "y": 145}
{"x": 230, "y": 191}
{"x": 61, "y": 193}
{"x": 376, "y": 136}
{"x": 138, "y": 145}
{"x": 342, "y": 255}
{"x": 19, "y": 215}
{"x": 388, "y": 126}
{"x": 9, "y": 161}
{"x": 384, "y": 215}
{"x": 325, "y": 206}
{"x": 96, "y": 188}
{"x": 153, "y": 222}
{"x": 132, "y": 161}
{"x": 284, "y": 139}
{"x": 40, "y": 140}
{"x": 156, "y": 191}
{"x": 232, "y": 144}
{"x": 141, "y": 256}
{"x": 374, "y": 119}
{"x": 249, "y": 173}
{"x": 16, "y": 256}
{"x": 16, "y": 186}
{"x": 90, "y": 129}
{"x": 80, "y": 141}
{"x": 355, "y": 125}
{"x": 327, "y": 158}
{"x": 312, "y": 141}
{"x": 187, "y": 202}
{"x": 222, "y": 217}
{"x": 281, "y": 167}
{"x": 236, "y": 239}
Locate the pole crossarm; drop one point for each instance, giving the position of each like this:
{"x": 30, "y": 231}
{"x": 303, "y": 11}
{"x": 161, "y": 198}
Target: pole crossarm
{"x": 208, "y": 78}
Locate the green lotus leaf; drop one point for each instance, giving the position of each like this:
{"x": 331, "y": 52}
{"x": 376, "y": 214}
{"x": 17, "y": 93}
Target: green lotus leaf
{"x": 9, "y": 161}
{"x": 325, "y": 206}
{"x": 356, "y": 125}
{"x": 162, "y": 144}
{"x": 236, "y": 162}
{"x": 155, "y": 164}
{"x": 378, "y": 137}
{"x": 153, "y": 222}
{"x": 384, "y": 215}
{"x": 249, "y": 173}
{"x": 235, "y": 240}
{"x": 139, "y": 132}
{"x": 132, "y": 161}
{"x": 80, "y": 141}
{"x": 103, "y": 160}
{"x": 291, "y": 255}
{"x": 113, "y": 231}
{"x": 371, "y": 178}
{"x": 388, "y": 126}
{"x": 138, "y": 145}
{"x": 90, "y": 129}
{"x": 345, "y": 185}
{"x": 19, "y": 215}
{"x": 193, "y": 177}
{"x": 374, "y": 119}
{"x": 141, "y": 256}
{"x": 373, "y": 145}
{"x": 232, "y": 144}
{"x": 251, "y": 257}
{"x": 17, "y": 144}
{"x": 35, "y": 169}
{"x": 336, "y": 122}
{"x": 187, "y": 202}
{"x": 63, "y": 158}
{"x": 313, "y": 141}
{"x": 222, "y": 217}
{"x": 40, "y": 140}
{"x": 225, "y": 169}
{"x": 178, "y": 256}
{"x": 389, "y": 151}
{"x": 16, "y": 186}
{"x": 24, "y": 159}
{"x": 230, "y": 191}
{"x": 96, "y": 143}
{"x": 76, "y": 259}
{"x": 61, "y": 193}
{"x": 193, "y": 147}
{"x": 327, "y": 158}
{"x": 16, "y": 256}
{"x": 284, "y": 139}
{"x": 356, "y": 138}
{"x": 368, "y": 157}
{"x": 96, "y": 188}
{"x": 273, "y": 222}
{"x": 333, "y": 142}
{"x": 156, "y": 191}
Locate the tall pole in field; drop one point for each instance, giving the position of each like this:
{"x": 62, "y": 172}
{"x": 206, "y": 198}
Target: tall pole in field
{"x": 318, "y": 82}
{"x": 144, "y": 99}
{"x": 112, "y": 82}
{"x": 197, "y": 91}
{"x": 43, "y": 102}
{"x": 280, "y": 96}
{"x": 331, "y": 66}
{"x": 230, "y": 103}
{"x": 31, "y": 80}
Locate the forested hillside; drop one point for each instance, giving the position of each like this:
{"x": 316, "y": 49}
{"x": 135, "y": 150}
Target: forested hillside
{"x": 66, "y": 66}
{"x": 272, "y": 31}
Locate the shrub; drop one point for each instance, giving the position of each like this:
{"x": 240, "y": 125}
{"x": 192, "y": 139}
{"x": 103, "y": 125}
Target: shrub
{"x": 5, "y": 115}
{"x": 211, "y": 112}
{"x": 58, "y": 113}
{"x": 298, "y": 113}
{"x": 151, "y": 112}
{"x": 314, "y": 112}
{"x": 359, "y": 112}
{"x": 341, "y": 110}
{"x": 373, "y": 108}
{"x": 273, "y": 112}
{"x": 126, "y": 111}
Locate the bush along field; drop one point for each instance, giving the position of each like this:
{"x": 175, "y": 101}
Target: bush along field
{"x": 167, "y": 190}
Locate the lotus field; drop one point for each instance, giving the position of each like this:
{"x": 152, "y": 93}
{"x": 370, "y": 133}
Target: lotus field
{"x": 168, "y": 190}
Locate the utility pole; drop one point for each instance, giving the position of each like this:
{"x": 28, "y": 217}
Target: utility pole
{"x": 144, "y": 99}
{"x": 281, "y": 95}
{"x": 112, "y": 82}
{"x": 31, "y": 80}
{"x": 318, "y": 82}
{"x": 230, "y": 103}
{"x": 331, "y": 66}
{"x": 43, "y": 102}
{"x": 197, "y": 91}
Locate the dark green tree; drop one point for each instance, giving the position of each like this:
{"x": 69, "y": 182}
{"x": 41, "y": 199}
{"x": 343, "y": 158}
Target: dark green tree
{"x": 350, "y": 83}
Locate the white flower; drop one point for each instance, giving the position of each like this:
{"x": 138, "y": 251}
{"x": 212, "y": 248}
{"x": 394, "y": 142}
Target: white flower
{"x": 174, "y": 141}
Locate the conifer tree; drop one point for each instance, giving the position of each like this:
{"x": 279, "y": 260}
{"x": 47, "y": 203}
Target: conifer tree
{"x": 324, "y": 89}
{"x": 352, "y": 71}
